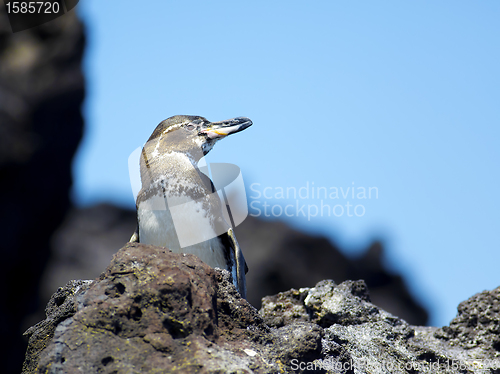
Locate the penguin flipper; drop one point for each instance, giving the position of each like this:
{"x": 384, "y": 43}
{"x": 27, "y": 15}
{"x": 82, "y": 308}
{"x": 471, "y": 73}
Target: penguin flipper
{"x": 135, "y": 236}
{"x": 241, "y": 265}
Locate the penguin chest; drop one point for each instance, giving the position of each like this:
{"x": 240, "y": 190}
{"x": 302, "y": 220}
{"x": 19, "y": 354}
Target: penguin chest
{"x": 184, "y": 231}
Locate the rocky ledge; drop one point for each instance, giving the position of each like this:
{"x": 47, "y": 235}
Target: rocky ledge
{"x": 153, "y": 311}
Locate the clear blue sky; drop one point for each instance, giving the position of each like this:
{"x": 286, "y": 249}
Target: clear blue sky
{"x": 399, "y": 95}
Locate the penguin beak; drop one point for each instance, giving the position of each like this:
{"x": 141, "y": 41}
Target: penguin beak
{"x": 219, "y": 130}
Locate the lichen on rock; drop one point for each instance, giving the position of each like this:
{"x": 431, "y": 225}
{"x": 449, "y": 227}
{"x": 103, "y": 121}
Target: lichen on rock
{"x": 156, "y": 311}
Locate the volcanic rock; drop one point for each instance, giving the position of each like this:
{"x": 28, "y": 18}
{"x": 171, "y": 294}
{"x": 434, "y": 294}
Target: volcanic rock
{"x": 156, "y": 311}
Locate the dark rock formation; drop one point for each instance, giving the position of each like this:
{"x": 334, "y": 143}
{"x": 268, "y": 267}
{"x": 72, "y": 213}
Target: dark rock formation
{"x": 279, "y": 258}
{"x": 477, "y": 325}
{"x": 360, "y": 337}
{"x": 154, "y": 311}
{"x": 60, "y": 307}
{"x": 41, "y": 92}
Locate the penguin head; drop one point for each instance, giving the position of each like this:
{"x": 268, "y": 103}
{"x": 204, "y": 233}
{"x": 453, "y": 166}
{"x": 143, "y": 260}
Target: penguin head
{"x": 193, "y": 135}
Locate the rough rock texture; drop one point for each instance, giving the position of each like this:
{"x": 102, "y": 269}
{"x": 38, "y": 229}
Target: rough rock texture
{"x": 60, "y": 307}
{"x": 278, "y": 256}
{"x": 155, "y": 311}
{"x": 359, "y": 337}
{"x": 41, "y": 92}
{"x": 477, "y": 325}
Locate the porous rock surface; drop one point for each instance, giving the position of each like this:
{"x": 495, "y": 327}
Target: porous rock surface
{"x": 155, "y": 311}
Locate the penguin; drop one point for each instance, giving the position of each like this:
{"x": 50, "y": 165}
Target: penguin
{"x": 178, "y": 206}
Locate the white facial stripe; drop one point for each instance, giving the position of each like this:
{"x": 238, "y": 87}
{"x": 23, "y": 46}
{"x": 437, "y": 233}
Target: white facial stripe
{"x": 156, "y": 152}
{"x": 174, "y": 127}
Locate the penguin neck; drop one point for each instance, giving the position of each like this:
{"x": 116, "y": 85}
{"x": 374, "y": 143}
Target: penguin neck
{"x": 177, "y": 174}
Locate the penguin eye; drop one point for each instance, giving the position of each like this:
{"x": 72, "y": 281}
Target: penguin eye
{"x": 190, "y": 127}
